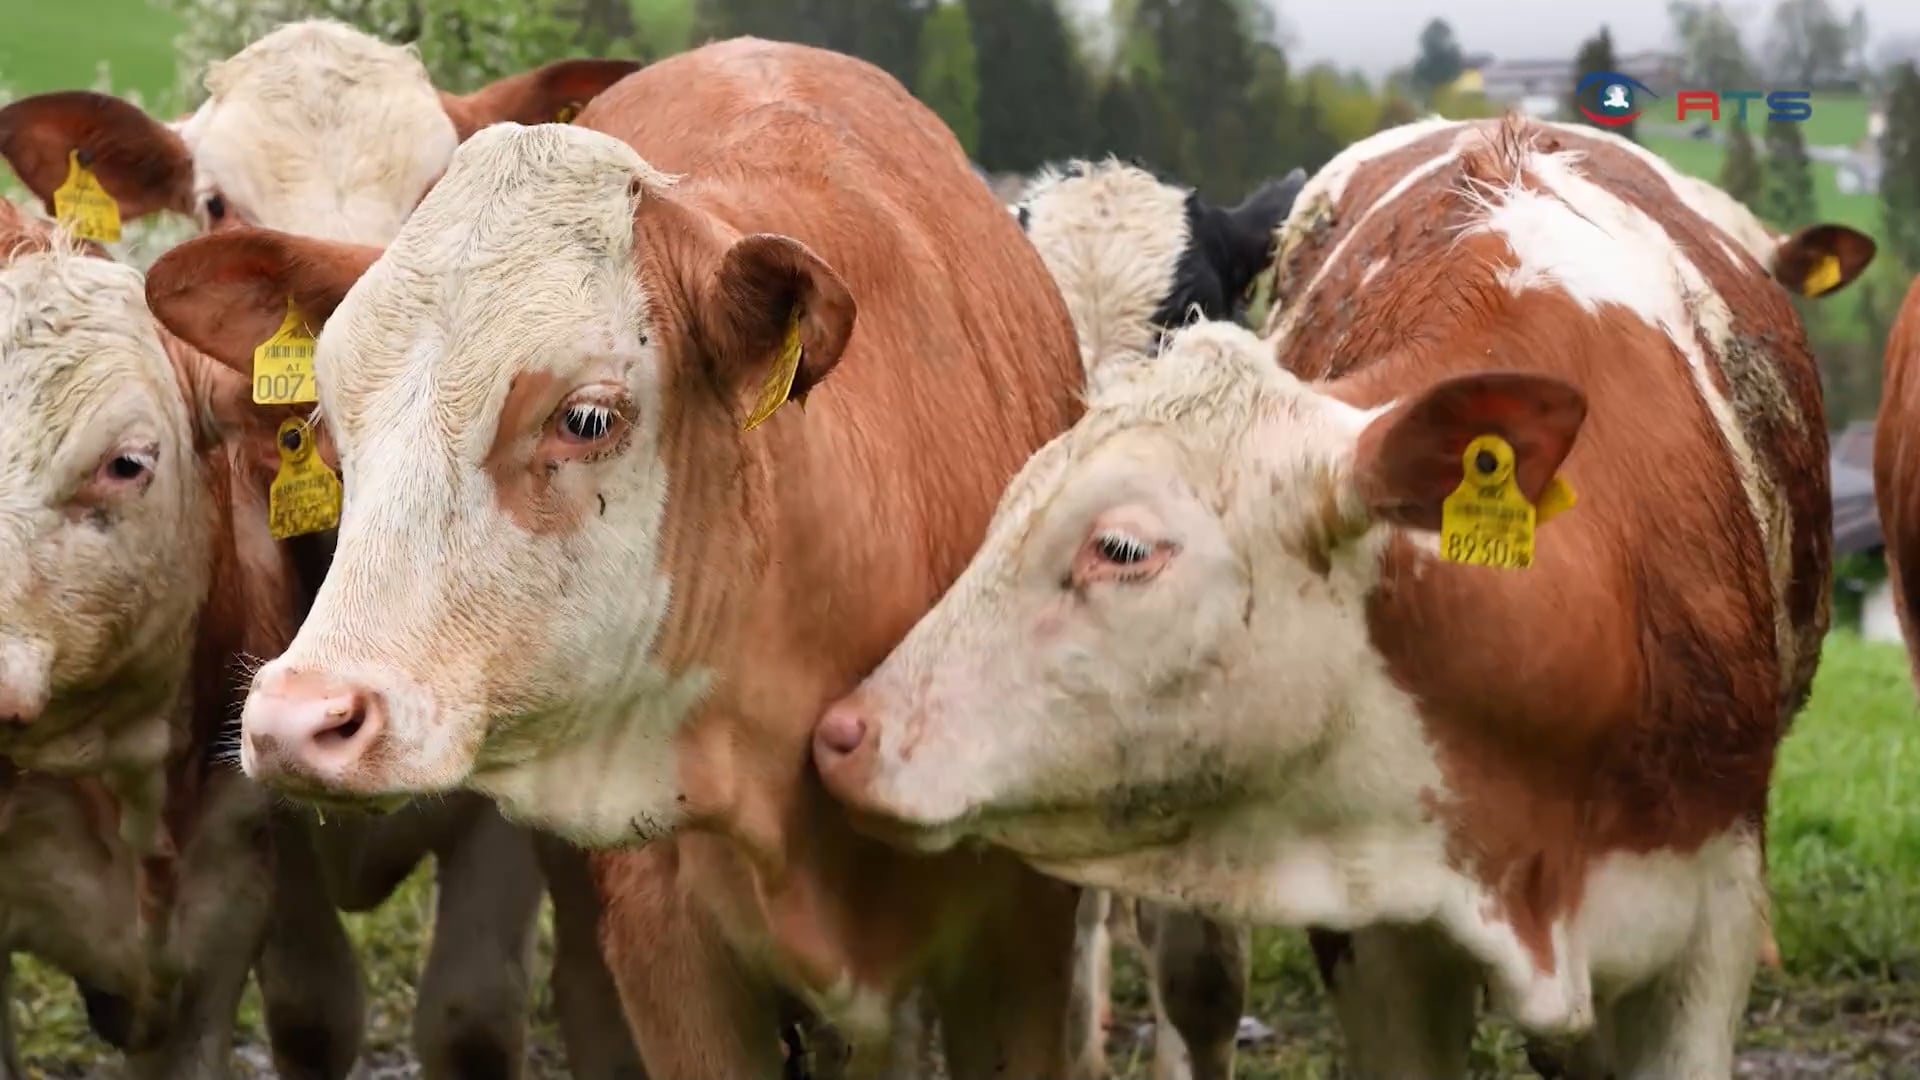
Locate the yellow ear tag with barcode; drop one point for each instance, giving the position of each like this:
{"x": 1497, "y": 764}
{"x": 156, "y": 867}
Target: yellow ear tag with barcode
{"x": 83, "y": 207}
{"x": 1487, "y": 521}
{"x": 779, "y": 380}
{"x": 1823, "y": 277}
{"x": 305, "y": 496}
{"x": 283, "y": 364}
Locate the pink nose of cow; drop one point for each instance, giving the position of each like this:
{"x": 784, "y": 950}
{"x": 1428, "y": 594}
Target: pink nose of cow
{"x": 21, "y": 704}
{"x": 307, "y": 726}
{"x": 843, "y": 748}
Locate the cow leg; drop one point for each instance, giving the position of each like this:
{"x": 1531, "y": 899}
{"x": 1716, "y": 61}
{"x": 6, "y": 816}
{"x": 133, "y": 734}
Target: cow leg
{"x": 1405, "y": 998}
{"x": 1684, "y": 1022}
{"x": 594, "y": 1030}
{"x": 309, "y": 978}
{"x": 471, "y": 1019}
{"x": 9, "y": 1044}
{"x": 1092, "y": 979}
{"x": 696, "y": 1011}
{"x": 1199, "y": 971}
{"x": 1005, "y": 1014}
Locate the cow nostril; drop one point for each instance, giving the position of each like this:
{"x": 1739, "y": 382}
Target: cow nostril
{"x": 841, "y": 731}
{"x": 343, "y": 723}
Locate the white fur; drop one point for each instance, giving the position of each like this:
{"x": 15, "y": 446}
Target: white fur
{"x": 322, "y": 130}
{"x": 513, "y": 661}
{"x": 1111, "y": 238}
{"x": 82, "y": 374}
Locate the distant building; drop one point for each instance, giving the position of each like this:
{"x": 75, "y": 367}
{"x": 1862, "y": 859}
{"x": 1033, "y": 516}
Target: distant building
{"x": 1541, "y": 87}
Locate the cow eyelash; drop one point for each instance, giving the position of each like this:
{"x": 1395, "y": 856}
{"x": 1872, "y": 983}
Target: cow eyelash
{"x": 587, "y": 423}
{"x": 128, "y": 466}
{"x": 1121, "y": 549}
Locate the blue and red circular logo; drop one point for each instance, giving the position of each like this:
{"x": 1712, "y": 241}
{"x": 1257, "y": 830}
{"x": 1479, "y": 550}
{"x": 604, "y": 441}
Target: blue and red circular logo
{"x": 1616, "y": 99}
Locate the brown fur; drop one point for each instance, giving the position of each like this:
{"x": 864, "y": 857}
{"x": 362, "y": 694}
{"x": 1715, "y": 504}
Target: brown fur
{"x": 1896, "y": 468}
{"x": 1664, "y": 694}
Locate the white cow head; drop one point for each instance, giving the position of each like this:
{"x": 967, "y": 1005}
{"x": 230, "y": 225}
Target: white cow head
{"x": 1169, "y": 609}
{"x": 104, "y": 511}
{"x": 537, "y": 392}
{"x": 316, "y": 128}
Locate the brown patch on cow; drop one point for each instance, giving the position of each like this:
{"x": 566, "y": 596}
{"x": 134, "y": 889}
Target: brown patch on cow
{"x": 552, "y": 93}
{"x": 141, "y": 162}
{"x": 527, "y": 489}
{"x": 1624, "y": 693}
{"x": 1896, "y": 469}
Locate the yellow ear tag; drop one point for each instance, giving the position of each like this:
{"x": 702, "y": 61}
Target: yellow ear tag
{"x": 305, "y": 496}
{"x": 83, "y": 207}
{"x": 1486, "y": 521}
{"x": 283, "y": 364}
{"x": 780, "y": 380}
{"x": 567, "y": 113}
{"x": 1823, "y": 277}
{"x": 1558, "y": 496}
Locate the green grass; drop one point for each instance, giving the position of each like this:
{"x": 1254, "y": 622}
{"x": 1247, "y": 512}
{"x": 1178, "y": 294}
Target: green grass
{"x": 42, "y": 46}
{"x": 1844, "y": 866}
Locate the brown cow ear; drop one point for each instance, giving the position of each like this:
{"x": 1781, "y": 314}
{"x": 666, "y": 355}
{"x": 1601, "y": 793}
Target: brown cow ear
{"x": 774, "y": 320}
{"x": 1408, "y": 460}
{"x": 138, "y": 160}
{"x": 1820, "y": 259}
{"x": 550, "y": 94}
{"x": 225, "y": 293}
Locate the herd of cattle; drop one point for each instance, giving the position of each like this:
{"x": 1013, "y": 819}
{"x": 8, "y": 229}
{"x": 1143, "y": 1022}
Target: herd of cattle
{"x": 686, "y": 492}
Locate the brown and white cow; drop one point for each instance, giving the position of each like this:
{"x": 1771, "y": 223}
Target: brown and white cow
{"x": 1210, "y": 654}
{"x": 136, "y": 576}
{"x": 1896, "y": 467}
{"x": 316, "y": 128}
{"x": 320, "y": 129}
{"x": 567, "y": 578}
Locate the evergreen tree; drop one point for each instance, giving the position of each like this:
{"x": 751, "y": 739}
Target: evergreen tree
{"x": 1206, "y": 76}
{"x": 948, "y": 80}
{"x": 1787, "y": 194}
{"x": 1035, "y": 104}
{"x": 1439, "y": 62}
{"x": 1900, "y": 168}
{"x": 1596, "y": 54}
{"x": 883, "y": 32}
{"x": 1740, "y": 174}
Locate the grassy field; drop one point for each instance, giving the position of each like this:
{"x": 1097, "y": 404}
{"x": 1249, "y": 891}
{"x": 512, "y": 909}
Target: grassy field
{"x": 1844, "y": 853}
{"x": 133, "y": 37}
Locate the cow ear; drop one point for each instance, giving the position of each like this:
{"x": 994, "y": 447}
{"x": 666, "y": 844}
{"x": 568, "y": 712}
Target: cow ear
{"x": 138, "y": 160}
{"x": 1253, "y": 223}
{"x": 550, "y": 94}
{"x": 1820, "y": 259}
{"x": 225, "y": 293}
{"x": 773, "y": 320}
{"x": 1408, "y": 459}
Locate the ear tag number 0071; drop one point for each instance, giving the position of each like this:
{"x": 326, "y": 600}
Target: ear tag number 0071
{"x": 283, "y": 364}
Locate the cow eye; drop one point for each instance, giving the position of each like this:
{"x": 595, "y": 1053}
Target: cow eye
{"x": 1121, "y": 549}
{"x": 216, "y": 207}
{"x": 126, "y": 467}
{"x": 587, "y": 423}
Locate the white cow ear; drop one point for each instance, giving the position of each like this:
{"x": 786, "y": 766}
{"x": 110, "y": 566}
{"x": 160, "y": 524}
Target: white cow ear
{"x": 1408, "y": 459}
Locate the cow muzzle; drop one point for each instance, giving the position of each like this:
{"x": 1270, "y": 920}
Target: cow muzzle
{"x": 847, "y": 744}
{"x": 309, "y": 731}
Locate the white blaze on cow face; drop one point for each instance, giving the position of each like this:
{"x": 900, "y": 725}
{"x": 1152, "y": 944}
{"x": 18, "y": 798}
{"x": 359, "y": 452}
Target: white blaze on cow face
{"x": 103, "y": 517}
{"x": 320, "y": 129}
{"x": 495, "y": 394}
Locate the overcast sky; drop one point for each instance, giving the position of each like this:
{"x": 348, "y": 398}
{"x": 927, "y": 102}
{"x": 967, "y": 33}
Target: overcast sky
{"x": 1377, "y": 35}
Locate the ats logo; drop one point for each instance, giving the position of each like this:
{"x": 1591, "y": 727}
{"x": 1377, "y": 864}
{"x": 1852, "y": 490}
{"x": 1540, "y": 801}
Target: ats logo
{"x": 1611, "y": 99}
